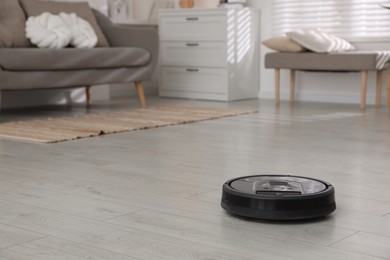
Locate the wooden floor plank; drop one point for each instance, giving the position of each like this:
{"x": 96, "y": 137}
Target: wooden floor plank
{"x": 10, "y": 236}
{"x": 57, "y": 249}
{"x": 63, "y": 202}
{"x": 366, "y": 244}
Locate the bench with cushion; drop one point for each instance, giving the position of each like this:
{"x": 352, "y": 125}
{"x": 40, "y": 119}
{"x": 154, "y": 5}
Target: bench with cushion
{"x": 330, "y": 62}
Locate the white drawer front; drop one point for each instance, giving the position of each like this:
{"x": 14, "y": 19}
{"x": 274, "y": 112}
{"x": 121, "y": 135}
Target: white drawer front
{"x": 194, "y": 80}
{"x": 212, "y": 54}
{"x": 193, "y": 27}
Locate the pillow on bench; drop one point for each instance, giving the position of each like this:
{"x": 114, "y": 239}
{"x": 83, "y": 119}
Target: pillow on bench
{"x": 319, "y": 41}
{"x": 283, "y": 44}
{"x": 81, "y": 9}
{"x": 12, "y": 23}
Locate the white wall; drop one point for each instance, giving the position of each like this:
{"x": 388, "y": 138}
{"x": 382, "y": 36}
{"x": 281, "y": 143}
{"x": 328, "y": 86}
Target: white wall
{"x": 142, "y": 8}
{"x": 326, "y": 87}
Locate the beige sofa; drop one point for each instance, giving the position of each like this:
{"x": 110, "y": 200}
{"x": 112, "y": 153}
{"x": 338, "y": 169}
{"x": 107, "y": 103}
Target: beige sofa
{"x": 128, "y": 55}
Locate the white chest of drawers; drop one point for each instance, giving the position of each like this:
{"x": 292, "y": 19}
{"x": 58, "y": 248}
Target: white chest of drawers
{"x": 210, "y": 54}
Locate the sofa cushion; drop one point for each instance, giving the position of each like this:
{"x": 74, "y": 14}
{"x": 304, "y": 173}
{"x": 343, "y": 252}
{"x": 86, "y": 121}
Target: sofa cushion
{"x": 82, "y": 9}
{"x": 12, "y": 23}
{"x": 23, "y": 59}
{"x": 6, "y": 38}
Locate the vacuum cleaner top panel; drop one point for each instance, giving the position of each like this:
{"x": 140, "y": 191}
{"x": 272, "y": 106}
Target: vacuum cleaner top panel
{"x": 278, "y": 185}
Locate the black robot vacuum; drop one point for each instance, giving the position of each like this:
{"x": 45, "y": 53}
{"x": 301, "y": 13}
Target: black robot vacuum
{"x": 278, "y": 197}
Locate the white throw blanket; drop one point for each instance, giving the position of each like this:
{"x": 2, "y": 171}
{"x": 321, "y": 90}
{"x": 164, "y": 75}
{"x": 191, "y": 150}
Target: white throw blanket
{"x": 382, "y": 57}
{"x": 58, "y": 31}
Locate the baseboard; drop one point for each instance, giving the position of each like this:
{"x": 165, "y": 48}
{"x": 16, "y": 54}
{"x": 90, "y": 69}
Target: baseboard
{"x": 324, "y": 97}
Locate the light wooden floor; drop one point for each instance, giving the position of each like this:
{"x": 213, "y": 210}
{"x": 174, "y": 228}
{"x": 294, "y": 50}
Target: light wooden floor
{"x": 155, "y": 194}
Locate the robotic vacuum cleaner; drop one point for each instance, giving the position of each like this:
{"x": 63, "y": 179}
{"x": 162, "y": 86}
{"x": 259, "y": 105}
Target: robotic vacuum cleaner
{"x": 278, "y": 197}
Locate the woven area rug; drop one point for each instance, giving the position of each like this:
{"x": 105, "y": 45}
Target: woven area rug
{"x": 59, "y": 129}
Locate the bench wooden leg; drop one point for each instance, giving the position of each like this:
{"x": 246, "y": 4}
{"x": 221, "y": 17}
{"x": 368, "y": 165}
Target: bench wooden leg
{"x": 388, "y": 88}
{"x": 378, "y": 88}
{"x": 292, "y": 86}
{"x": 140, "y": 92}
{"x": 277, "y": 86}
{"x": 363, "y": 94}
{"x": 1, "y": 95}
{"x": 88, "y": 95}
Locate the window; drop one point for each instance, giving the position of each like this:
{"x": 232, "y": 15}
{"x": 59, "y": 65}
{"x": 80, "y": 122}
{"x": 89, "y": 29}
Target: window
{"x": 355, "y": 20}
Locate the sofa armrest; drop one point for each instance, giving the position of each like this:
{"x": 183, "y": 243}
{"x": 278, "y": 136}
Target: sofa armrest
{"x": 130, "y": 36}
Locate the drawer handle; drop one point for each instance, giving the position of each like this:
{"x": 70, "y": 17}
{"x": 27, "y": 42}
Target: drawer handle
{"x": 192, "y": 44}
{"x": 192, "y": 70}
{"x": 192, "y": 18}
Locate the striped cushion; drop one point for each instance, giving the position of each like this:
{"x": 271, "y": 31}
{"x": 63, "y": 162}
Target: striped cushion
{"x": 320, "y": 42}
{"x": 381, "y": 58}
